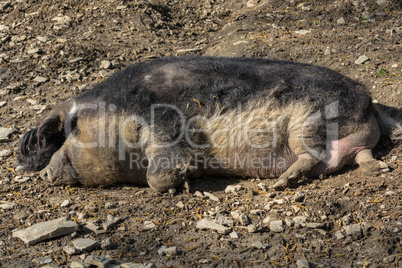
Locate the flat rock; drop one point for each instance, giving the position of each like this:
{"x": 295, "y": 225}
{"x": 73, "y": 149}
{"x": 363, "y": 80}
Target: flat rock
{"x": 212, "y": 197}
{"x": 276, "y": 226}
{"x": 40, "y": 79}
{"x": 137, "y": 265}
{"x": 233, "y": 188}
{"x": 259, "y": 245}
{"x": 362, "y": 59}
{"x": 302, "y": 32}
{"x": 211, "y": 225}
{"x": 354, "y": 230}
{"x": 85, "y": 244}
{"x": 5, "y": 153}
{"x": 46, "y": 230}
{"x": 5, "y": 133}
{"x": 42, "y": 261}
{"x": 302, "y": 263}
{"x": 98, "y": 261}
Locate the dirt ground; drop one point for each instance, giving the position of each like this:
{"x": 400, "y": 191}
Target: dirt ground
{"x": 52, "y": 49}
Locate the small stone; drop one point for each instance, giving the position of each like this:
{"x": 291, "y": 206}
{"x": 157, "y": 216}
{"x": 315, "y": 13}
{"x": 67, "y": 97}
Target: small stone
{"x": 327, "y": 51}
{"x": 382, "y": 2}
{"x": 303, "y": 32}
{"x": 315, "y": 225}
{"x": 105, "y": 64}
{"x": 276, "y": 226}
{"x": 289, "y": 222}
{"x": 206, "y": 223}
{"x": 21, "y": 179}
{"x": 5, "y": 153}
{"x": 42, "y": 39}
{"x": 65, "y": 203}
{"x": 77, "y": 59}
{"x": 172, "y": 191}
{"x": 77, "y": 264}
{"x": 235, "y": 235}
{"x": 148, "y": 225}
{"x": 7, "y": 206}
{"x": 362, "y": 59}
{"x": 70, "y": 250}
{"x": 232, "y": 188}
{"x": 339, "y": 235}
{"x": 33, "y": 51}
{"x": 98, "y": 261}
{"x": 4, "y": 28}
{"x": 259, "y": 245}
{"x": 299, "y": 197}
{"x": 341, "y": 21}
{"x": 171, "y": 251}
{"x": 40, "y": 79}
{"x": 136, "y": 265}
{"x": 121, "y": 7}
{"x": 42, "y": 261}
{"x": 251, "y": 228}
{"x": 106, "y": 243}
{"x": 212, "y": 197}
{"x": 300, "y": 219}
{"x": 180, "y": 204}
{"x": 198, "y": 194}
{"x": 240, "y": 217}
{"x": 389, "y": 259}
{"x": 109, "y": 205}
{"x": 224, "y": 219}
{"x": 302, "y": 263}
{"x": 353, "y": 230}
{"x": 389, "y": 193}
{"x": 85, "y": 244}
{"x": 122, "y": 203}
{"x": 5, "y": 133}
{"x": 94, "y": 226}
{"x": 2, "y": 103}
{"x": 395, "y": 65}
{"x": 252, "y": 3}
{"x": 62, "y": 20}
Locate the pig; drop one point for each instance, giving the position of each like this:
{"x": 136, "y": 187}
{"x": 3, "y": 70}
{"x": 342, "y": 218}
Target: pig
{"x": 162, "y": 122}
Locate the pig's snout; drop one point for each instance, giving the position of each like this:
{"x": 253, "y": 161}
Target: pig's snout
{"x": 46, "y": 174}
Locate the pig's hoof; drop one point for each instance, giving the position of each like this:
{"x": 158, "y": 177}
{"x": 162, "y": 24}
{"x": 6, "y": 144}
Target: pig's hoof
{"x": 374, "y": 167}
{"x": 285, "y": 180}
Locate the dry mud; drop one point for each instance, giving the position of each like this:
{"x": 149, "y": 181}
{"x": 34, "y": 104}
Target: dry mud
{"x": 52, "y": 50}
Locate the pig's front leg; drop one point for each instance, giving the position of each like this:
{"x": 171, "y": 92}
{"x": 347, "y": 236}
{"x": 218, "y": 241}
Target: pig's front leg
{"x": 164, "y": 173}
{"x": 304, "y": 164}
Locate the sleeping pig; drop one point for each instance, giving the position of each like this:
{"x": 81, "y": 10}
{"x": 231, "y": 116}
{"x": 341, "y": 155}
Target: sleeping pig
{"x": 162, "y": 122}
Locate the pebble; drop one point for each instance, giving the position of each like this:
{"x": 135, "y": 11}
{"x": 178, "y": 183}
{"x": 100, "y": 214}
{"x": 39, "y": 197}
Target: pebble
{"x": 212, "y": 197}
{"x": 85, "y": 244}
{"x": 46, "y": 230}
{"x": 341, "y": 21}
{"x": 327, "y": 51}
{"x": 233, "y": 188}
{"x": 276, "y": 226}
{"x": 40, "y": 79}
{"x": 4, "y": 28}
{"x": 2, "y": 103}
{"x": 70, "y": 250}
{"x": 353, "y": 230}
{"x": 198, "y": 194}
{"x": 240, "y": 217}
{"x": 42, "y": 38}
{"x": 5, "y": 133}
{"x": 77, "y": 264}
{"x": 382, "y": 2}
{"x": 7, "y": 206}
{"x": 302, "y": 263}
{"x": 389, "y": 259}
{"x": 299, "y": 219}
{"x": 362, "y": 59}
{"x": 251, "y": 228}
{"x": 303, "y": 32}
{"x": 289, "y": 222}
{"x": 98, "y": 261}
{"x": 42, "y": 261}
{"x": 315, "y": 225}
{"x": 21, "y": 179}
{"x": 259, "y": 245}
{"x": 395, "y": 65}
{"x": 5, "y": 153}
{"x": 206, "y": 223}
{"x": 299, "y": 197}
{"x": 136, "y": 265}
{"x": 77, "y": 59}
{"x": 235, "y": 235}
{"x": 106, "y": 243}
{"x": 109, "y": 205}
{"x": 105, "y": 64}
{"x": 148, "y": 225}
{"x": 223, "y": 219}
{"x": 339, "y": 235}
{"x": 65, "y": 203}
{"x": 252, "y": 3}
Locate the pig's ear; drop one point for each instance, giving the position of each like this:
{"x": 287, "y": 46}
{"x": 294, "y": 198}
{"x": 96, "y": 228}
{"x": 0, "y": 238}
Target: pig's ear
{"x": 38, "y": 145}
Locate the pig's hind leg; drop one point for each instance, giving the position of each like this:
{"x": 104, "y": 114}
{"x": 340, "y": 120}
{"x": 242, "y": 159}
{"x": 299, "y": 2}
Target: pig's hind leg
{"x": 369, "y": 165}
{"x": 306, "y": 139}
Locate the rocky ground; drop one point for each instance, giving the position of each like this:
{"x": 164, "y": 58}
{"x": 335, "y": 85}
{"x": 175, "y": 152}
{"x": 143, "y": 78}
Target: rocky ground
{"x": 52, "y": 50}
